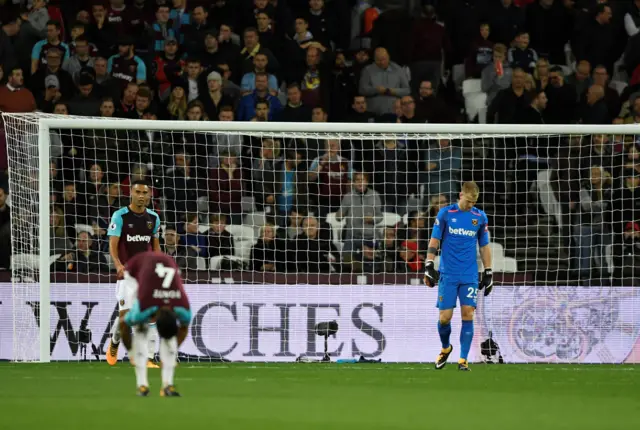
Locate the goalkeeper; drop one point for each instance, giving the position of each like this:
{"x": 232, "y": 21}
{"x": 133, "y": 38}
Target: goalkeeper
{"x": 455, "y": 231}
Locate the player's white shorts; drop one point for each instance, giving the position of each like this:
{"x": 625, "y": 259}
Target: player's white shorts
{"x": 126, "y": 291}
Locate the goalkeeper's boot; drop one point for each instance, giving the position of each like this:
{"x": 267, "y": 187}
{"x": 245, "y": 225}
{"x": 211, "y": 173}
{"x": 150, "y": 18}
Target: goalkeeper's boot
{"x": 441, "y": 361}
{"x": 463, "y": 365}
{"x": 143, "y": 391}
{"x": 169, "y": 391}
{"x": 112, "y": 353}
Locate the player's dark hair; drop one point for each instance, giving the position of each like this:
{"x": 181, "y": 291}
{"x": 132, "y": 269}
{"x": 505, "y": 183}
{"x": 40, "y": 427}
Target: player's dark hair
{"x": 139, "y": 182}
{"x": 166, "y": 323}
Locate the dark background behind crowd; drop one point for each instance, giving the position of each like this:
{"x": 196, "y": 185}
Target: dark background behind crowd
{"x": 394, "y": 61}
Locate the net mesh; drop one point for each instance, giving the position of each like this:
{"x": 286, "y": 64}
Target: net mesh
{"x": 311, "y": 227}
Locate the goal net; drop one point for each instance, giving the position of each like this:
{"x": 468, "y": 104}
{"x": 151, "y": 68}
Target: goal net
{"x": 279, "y": 227}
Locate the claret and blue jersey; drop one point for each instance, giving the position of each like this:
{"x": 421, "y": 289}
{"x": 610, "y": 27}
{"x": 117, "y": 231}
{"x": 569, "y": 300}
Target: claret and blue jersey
{"x": 458, "y": 232}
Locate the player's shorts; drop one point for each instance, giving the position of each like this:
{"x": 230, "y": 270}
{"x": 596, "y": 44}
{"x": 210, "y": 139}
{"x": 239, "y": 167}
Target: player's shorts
{"x": 126, "y": 291}
{"x": 451, "y": 288}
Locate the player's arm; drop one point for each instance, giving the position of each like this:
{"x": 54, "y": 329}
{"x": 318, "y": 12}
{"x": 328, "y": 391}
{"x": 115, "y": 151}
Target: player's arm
{"x": 486, "y": 282}
{"x": 115, "y": 230}
{"x": 156, "y": 236}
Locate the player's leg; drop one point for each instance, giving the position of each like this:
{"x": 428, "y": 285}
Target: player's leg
{"x": 140, "y": 350}
{"x": 167, "y": 326}
{"x": 468, "y": 300}
{"x": 124, "y": 303}
{"x": 446, "y": 303}
{"x": 153, "y": 339}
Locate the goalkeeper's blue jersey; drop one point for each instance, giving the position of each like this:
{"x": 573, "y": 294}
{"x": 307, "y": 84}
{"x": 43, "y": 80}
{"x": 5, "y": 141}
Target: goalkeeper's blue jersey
{"x": 458, "y": 232}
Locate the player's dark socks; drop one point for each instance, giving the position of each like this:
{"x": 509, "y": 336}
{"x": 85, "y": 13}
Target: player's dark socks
{"x": 444, "y": 330}
{"x": 466, "y": 336}
{"x": 441, "y": 361}
{"x": 169, "y": 391}
{"x": 143, "y": 391}
{"x": 463, "y": 365}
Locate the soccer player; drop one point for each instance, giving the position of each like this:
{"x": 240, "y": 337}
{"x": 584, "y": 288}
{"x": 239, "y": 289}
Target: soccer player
{"x": 133, "y": 229}
{"x": 161, "y": 299}
{"x": 456, "y": 230}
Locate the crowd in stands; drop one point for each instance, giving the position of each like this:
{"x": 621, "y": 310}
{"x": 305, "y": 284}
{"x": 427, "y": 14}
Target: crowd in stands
{"x": 396, "y": 61}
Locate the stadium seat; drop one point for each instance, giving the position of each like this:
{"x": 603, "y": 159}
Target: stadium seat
{"x": 203, "y": 228}
{"x": 257, "y": 220}
{"x": 547, "y": 196}
{"x": 29, "y": 261}
{"x": 389, "y": 219}
{"x": 619, "y": 86}
{"x": 201, "y": 263}
{"x": 475, "y": 101}
{"x": 244, "y": 239}
{"x": 336, "y": 230}
{"x": 608, "y": 257}
{"x": 458, "y": 75}
{"x": 84, "y": 228}
{"x": 215, "y": 262}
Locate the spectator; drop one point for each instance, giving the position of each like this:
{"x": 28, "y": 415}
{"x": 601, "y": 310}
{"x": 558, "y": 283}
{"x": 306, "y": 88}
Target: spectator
{"x": 595, "y": 110}
{"x": 521, "y": 56}
{"x": 192, "y": 238}
{"x": 269, "y": 254}
{"x": 541, "y": 74}
{"x": 295, "y": 110}
{"x": 166, "y": 68}
{"x": 611, "y": 97}
{"x": 290, "y": 184}
{"x": 311, "y": 253}
{"x": 176, "y": 107}
{"x": 382, "y": 83}
{"x": 333, "y": 173}
{"x": 118, "y": 16}
{"x": 102, "y": 32}
{"x": 432, "y": 108}
{"x": 506, "y": 20}
{"x": 393, "y": 173}
{"x": 246, "y": 109}
{"x": 265, "y": 29}
{"x": 50, "y": 83}
{"x": 359, "y": 112}
{"x": 430, "y": 47}
{"x": 181, "y": 18}
{"x": 443, "y": 169}
{"x": 388, "y": 246}
{"x": 624, "y": 216}
{"x": 220, "y": 241}
{"x": 126, "y": 66}
{"x": 436, "y": 202}
{"x": 595, "y": 42}
{"x": 297, "y": 215}
{"x": 302, "y": 35}
{"x": 480, "y": 54}
{"x": 86, "y": 102}
{"x": 408, "y": 260}
{"x": 193, "y": 35}
{"x": 39, "y": 54}
{"x": 508, "y": 104}
{"x": 590, "y": 232}
{"x": 362, "y": 209}
{"x": 160, "y": 31}
{"x": 85, "y": 259}
{"x": 78, "y": 30}
{"x": 581, "y": 79}
{"x": 550, "y": 25}
{"x": 5, "y": 210}
{"x": 127, "y": 103}
{"x": 210, "y": 56}
{"x": 367, "y": 260}
{"x": 633, "y": 117}
{"x": 262, "y": 111}
{"x": 263, "y": 176}
{"x": 142, "y": 103}
{"x": 497, "y": 76}
{"x": 251, "y": 48}
{"x": 24, "y": 37}
{"x": 225, "y": 142}
{"x": 109, "y": 201}
{"x": 561, "y": 96}
{"x": 260, "y": 62}
{"x": 81, "y": 58}
{"x": 534, "y": 114}
{"x": 226, "y": 187}
{"x": 185, "y": 257}
{"x": 13, "y": 96}
{"x": 316, "y": 80}
{"x": 59, "y": 242}
{"x": 105, "y": 84}
{"x": 38, "y": 15}
{"x": 409, "y": 114}
{"x": 417, "y": 231}
{"x": 214, "y": 99}
{"x": 322, "y": 24}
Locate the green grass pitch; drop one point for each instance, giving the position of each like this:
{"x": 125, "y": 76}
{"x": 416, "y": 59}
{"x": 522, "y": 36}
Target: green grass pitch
{"x": 322, "y": 397}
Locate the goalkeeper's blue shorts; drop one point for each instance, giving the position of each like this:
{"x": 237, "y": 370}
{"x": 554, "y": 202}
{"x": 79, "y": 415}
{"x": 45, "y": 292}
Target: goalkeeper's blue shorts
{"x": 450, "y": 288}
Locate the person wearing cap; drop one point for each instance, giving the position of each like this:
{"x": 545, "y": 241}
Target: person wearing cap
{"x": 214, "y": 99}
{"x": 161, "y": 31}
{"x": 51, "y": 83}
{"x": 126, "y": 66}
{"x": 166, "y": 67}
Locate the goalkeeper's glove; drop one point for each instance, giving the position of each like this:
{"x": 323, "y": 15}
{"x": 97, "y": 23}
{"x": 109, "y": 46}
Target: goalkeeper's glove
{"x": 486, "y": 282}
{"x": 431, "y": 276}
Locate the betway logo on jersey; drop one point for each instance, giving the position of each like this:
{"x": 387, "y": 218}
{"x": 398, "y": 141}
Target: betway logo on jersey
{"x": 461, "y": 232}
{"x": 138, "y": 238}
{"x": 167, "y": 294}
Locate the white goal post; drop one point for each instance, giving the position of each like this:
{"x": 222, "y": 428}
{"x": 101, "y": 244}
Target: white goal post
{"x": 27, "y": 156}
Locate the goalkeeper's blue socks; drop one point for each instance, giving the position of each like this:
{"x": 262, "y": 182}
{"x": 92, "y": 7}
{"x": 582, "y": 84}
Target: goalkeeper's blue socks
{"x": 445, "y": 333}
{"x": 466, "y": 336}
